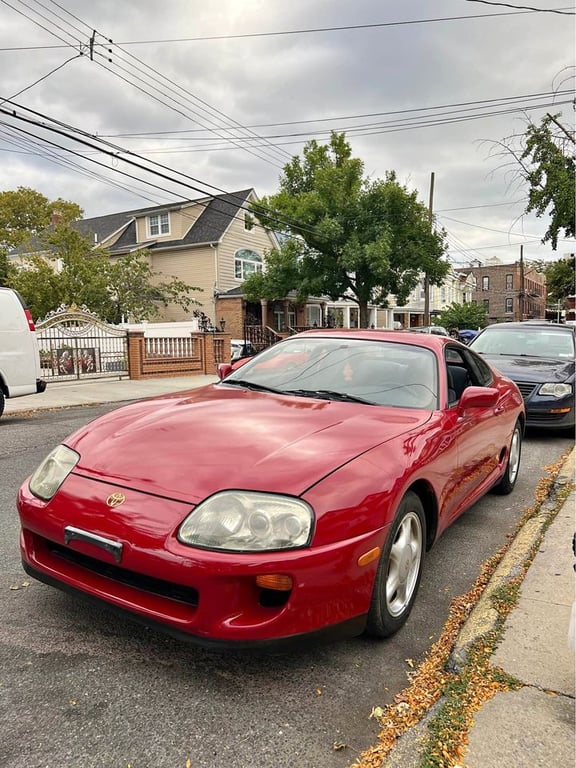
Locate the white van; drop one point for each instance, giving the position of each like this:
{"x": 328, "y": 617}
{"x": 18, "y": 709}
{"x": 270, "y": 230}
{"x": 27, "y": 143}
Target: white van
{"x": 19, "y": 356}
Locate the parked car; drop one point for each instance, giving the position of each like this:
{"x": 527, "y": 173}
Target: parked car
{"x": 296, "y": 496}
{"x": 19, "y": 354}
{"x": 437, "y": 330}
{"x": 240, "y": 348}
{"x": 539, "y": 357}
{"x": 467, "y": 334}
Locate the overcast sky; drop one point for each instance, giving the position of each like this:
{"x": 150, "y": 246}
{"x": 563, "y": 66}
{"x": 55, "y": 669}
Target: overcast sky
{"x": 415, "y": 85}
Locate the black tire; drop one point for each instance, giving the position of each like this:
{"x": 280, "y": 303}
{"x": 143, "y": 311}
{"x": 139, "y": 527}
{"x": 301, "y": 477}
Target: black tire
{"x": 2, "y": 402}
{"x": 508, "y": 481}
{"x": 399, "y": 571}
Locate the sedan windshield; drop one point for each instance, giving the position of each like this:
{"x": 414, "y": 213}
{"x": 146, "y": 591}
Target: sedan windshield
{"x": 555, "y": 344}
{"x": 347, "y": 370}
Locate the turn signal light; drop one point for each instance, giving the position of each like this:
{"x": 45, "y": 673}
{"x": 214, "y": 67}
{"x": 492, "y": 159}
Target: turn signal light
{"x": 277, "y": 581}
{"x": 369, "y": 556}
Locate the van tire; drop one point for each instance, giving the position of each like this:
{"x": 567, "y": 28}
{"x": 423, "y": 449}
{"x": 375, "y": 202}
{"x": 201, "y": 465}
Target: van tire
{"x": 2, "y": 402}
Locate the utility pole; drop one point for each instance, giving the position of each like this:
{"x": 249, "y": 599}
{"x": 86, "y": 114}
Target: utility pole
{"x": 522, "y": 292}
{"x": 426, "y": 280}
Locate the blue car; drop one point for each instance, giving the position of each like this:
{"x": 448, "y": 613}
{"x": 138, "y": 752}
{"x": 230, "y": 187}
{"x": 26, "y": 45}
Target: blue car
{"x": 539, "y": 358}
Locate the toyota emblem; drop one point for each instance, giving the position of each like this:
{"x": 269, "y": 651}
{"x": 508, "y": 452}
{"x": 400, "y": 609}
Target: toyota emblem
{"x": 115, "y": 499}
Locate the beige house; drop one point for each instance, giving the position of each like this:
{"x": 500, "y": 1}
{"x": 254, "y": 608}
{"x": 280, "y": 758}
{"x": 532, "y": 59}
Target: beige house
{"x": 212, "y": 243}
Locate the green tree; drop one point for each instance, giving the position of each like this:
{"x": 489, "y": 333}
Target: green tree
{"x": 348, "y": 237}
{"x": 71, "y": 271}
{"x": 560, "y": 279}
{"x": 38, "y": 283}
{"x": 66, "y": 271}
{"x": 543, "y": 161}
{"x": 464, "y": 316}
{"x": 25, "y": 213}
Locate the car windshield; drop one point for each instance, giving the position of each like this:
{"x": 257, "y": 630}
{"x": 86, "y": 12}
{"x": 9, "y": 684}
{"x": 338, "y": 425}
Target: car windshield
{"x": 514, "y": 342}
{"x": 349, "y": 370}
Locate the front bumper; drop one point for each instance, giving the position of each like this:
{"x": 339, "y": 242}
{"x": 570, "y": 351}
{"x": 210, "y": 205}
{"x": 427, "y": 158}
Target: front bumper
{"x": 211, "y": 597}
{"x": 559, "y": 415}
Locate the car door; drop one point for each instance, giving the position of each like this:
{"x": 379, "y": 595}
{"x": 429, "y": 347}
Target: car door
{"x": 478, "y": 431}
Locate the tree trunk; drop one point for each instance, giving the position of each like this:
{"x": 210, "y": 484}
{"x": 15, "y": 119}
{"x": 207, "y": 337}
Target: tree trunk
{"x": 363, "y": 312}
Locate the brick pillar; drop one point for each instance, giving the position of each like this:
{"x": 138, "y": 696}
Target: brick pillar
{"x": 135, "y": 354}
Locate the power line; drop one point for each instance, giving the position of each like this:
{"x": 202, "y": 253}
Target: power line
{"x": 522, "y": 7}
{"x": 117, "y": 152}
{"x": 504, "y": 101}
{"x": 314, "y": 30}
{"x": 40, "y": 79}
{"x": 48, "y": 25}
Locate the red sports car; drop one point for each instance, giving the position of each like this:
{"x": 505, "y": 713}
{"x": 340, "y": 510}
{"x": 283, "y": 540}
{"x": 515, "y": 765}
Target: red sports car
{"x": 297, "y": 495}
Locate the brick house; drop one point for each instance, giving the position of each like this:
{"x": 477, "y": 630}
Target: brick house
{"x": 510, "y": 291}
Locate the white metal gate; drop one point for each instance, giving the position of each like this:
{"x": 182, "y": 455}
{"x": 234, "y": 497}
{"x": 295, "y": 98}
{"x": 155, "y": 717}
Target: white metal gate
{"x": 75, "y": 344}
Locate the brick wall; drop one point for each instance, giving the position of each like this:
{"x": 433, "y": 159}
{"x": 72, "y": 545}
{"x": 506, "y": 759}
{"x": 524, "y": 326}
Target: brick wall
{"x": 199, "y": 353}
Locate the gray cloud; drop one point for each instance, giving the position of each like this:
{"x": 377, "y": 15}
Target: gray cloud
{"x": 287, "y": 78}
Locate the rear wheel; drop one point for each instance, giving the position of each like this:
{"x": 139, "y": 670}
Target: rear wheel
{"x": 508, "y": 481}
{"x": 2, "y": 402}
{"x": 399, "y": 570}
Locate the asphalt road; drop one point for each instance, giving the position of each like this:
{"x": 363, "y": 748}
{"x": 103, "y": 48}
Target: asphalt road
{"x": 82, "y": 688}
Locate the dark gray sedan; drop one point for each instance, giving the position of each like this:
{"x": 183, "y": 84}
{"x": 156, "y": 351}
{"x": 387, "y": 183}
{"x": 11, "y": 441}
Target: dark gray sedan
{"x": 539, "y": 358}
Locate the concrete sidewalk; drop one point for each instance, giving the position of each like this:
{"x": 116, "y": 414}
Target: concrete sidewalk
{"x": 93, "y": 391}
{"x": 534, "y": 726}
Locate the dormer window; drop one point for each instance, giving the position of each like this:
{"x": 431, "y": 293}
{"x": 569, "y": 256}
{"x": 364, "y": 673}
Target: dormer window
{"x": 246, "y": 262}
{"x": 158, "y": 224}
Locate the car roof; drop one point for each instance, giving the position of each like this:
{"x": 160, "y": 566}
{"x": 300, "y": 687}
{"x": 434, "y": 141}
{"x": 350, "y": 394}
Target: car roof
{"x": 429, "y": 340}
{"x": 529, "y": 326}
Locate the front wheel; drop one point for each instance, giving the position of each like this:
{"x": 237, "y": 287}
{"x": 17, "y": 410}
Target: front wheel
{"x": 2, "y": 402}
{"x": 399, "y": 571}
{"x": 508, "y": 481}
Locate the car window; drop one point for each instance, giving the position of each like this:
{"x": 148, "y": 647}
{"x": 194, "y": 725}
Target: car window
{"x": 377, "y": 372}
{"x": 540, "y": 342}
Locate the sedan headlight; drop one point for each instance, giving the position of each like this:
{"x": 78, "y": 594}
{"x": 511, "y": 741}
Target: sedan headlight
{"x": 555, "y": 390}
{"x": 248, "y": 522}
{"x": 52, "y": 472}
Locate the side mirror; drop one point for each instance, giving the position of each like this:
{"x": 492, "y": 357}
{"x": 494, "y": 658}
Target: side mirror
{"x": 224, "y": 369}
{"x": 478, "y": 397}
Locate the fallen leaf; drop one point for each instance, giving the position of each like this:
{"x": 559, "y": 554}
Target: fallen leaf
{"x": 318, "y": 692}
{"x": 409, "y": 662}
{"x": 188, "y": 763}
{"x": 338, "y": 745}
{"x": 376, "y": 712}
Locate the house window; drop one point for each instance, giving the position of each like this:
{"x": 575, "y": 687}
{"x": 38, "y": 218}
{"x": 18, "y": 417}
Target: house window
{"x": 279, "y": 324}
{"x": 485, "y": 283}
{"x": 314, "y": 315}
{"x": 509, "y": 306}
{"x": 509, "y": 282}
{"x": 246, "y": 262}
{"x": 248, "y": 222}
{"x": 159, "y": 224}
{"x": 486, "y": 304}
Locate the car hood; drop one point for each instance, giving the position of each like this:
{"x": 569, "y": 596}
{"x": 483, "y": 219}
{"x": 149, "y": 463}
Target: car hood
{"x": 190, "y": 445}
{"x": 532, "y": 369}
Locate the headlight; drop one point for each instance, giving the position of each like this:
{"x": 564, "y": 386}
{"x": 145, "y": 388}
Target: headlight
{"x": 248, "y": 522}
{"x": 52, "y": 472}
{"x": 555, "y": 390}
